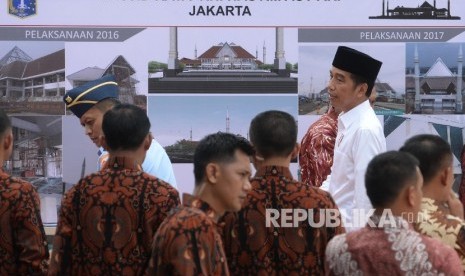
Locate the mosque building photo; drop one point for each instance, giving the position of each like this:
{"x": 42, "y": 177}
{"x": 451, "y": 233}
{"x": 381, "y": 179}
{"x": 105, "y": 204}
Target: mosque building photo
{"x": 226, "y": 67}
{"x": 434, "y": 78}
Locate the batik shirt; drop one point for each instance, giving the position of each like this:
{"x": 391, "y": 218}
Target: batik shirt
{"x": 433, "y": 222}
{"x": 188, "y": 242}
{"x": 390, "y": 247}
{"x": 254, "y": 248}
{"x": 23, "y": 244}
{"x": 317, "y": 149}
{"x": 107, "y": 221}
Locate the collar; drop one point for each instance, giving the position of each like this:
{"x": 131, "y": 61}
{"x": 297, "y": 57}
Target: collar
{"x": 119, "y": 163}
{"x": 433, "y": 205}
{"x": 273, "y": 171}
{"x": 354, "y": 115}
{"x": 388, "y": 222}
{"x": 189, "y": 200}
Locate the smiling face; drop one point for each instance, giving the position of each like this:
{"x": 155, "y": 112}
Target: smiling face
{"x": 233, "y": 182}
{"x": 92, "y": 123}
{"x": 344, "y": 94}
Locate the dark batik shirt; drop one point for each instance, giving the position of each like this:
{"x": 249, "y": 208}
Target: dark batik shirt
{"x": 317, "y": 149}
{"x": 107, "y": 221}
{"x": 252, "y": 248}
{"x": 188, "y": 242}
{"x": 23, "y": 246}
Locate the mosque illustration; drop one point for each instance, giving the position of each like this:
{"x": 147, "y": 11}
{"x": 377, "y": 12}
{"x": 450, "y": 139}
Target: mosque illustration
{"x": 224, "y": 68}
{"x": 423, "y": 11}
{"x": 437, "y": 89}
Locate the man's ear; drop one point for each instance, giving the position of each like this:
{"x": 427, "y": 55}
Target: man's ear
{"x": 295, "y": 151}
{"x": 148, "y": 141}
{"x": 445, "y": 176}
{"x": 212, "y": 171}
{"x": 411, "y": 195}
{"x": 8, "y": 141}
{"x": 362, "y": 89}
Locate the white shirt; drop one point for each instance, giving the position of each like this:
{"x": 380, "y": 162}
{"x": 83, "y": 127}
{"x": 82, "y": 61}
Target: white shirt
{"x": 156, "y": 163}
{"x": 360, "y": 137}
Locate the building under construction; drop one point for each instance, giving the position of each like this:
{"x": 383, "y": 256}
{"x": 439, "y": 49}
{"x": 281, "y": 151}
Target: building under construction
{"x": 34, "y": 86}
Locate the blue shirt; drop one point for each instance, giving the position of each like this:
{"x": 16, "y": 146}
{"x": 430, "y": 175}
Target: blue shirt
{"x": 156, "y": 163}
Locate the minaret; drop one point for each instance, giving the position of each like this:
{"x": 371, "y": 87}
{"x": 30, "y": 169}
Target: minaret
{"x": 417, "y": 80}
{"x": 383, "y": 8}
{"x": 448, "y": 8}
{"x": 190, "y": 134}
{"x": 195, "y": 51}
{"x": 256, "y": 52}
{"x": 173, "y": 62}
{"x": 279, "y": 60}
{"x": 264, "y": 52}
{"x": 387, "y": 8}
{"x": 227, "y": 120}
{"x": 459, "y": 81}
{"x": 434, "y": 9}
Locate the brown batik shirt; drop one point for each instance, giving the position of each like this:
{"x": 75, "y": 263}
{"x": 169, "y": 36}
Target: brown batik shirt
{"x": 107, "y": 221}
{"x": 254, "y": 248}
{"x": 188, "y": 242}
{"x": 23, "y": 245}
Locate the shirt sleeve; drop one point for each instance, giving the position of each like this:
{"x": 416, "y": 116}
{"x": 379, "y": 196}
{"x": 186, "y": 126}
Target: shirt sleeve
{"x": 61, "y": 253}
{"x": 369, "y": 143}
{"x": 30, "y": 240}
{"x": 157, "y": 163}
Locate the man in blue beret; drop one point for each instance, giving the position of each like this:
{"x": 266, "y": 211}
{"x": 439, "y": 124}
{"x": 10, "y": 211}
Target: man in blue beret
{"x": 89, "y": 103}
{"x": 360, "y": 135}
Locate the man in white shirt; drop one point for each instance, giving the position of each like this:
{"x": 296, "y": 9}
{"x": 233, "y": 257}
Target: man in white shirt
{"x": 360, "y": 135}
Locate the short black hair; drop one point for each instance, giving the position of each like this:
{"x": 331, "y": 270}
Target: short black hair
{"x": 219, "y": 147}
{"x": 107, "y": 104}
{"x": 432, "y": 151}
{"x": 5, "y": 123}
{"x": 125, "y": 127}
{"x": 387, "y": 175}
{"x": 273, "y": 133}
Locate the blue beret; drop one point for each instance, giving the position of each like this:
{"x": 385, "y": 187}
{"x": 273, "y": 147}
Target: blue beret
{"x": 82, "y": 98}
{"x": 358, "y": 63}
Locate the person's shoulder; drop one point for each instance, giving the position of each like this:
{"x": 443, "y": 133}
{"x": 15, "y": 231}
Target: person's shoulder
{"x": 162, "y": 184}
{"x": 156, "y": 146}
{"x": 189, "y": 218}
{"x": 14, "y": 183}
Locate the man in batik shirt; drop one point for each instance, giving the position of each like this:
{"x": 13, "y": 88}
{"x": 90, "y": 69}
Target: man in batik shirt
{"x": 252, "y": 246}
{"x": 388, "y": 244}
{"x": 436, "y": 166}
{"x": 23, "y": 245}
{"x": 107, "y": 221}
{"x": 316, "y": 153}
{"x": 188, "y": 241}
